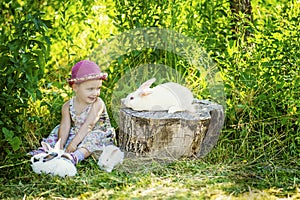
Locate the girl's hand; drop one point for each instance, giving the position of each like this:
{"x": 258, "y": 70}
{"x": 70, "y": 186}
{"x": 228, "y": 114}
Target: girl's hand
{"x": 71, "y": 147}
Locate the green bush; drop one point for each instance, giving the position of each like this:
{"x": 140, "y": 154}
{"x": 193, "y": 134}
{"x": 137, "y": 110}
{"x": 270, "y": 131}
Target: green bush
{"x": 262, "y": 79}
{"x": 260, "y": 72}
{"x": 23, "y": 56}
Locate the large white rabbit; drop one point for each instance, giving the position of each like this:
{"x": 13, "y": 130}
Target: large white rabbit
{"x": 170, "y": 96}
{"x": 53, "y": 161}
{"x": 110, "y": 157}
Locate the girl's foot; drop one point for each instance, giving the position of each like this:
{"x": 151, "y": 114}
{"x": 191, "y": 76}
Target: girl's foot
{"x": 35, "y": 152}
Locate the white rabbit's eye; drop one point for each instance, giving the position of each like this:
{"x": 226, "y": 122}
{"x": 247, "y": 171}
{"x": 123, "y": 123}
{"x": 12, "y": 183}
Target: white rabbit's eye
{"x": 131, "y": 98}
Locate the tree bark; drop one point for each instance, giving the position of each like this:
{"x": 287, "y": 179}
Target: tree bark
{"x": 170, "y": 136}
{"x": 243, "y": 6}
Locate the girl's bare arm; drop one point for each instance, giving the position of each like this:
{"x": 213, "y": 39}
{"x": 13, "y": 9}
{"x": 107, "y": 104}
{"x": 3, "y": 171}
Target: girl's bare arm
{"x": 65, "y": 124}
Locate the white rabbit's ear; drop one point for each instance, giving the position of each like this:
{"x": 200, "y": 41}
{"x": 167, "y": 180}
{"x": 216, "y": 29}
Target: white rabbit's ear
{"x": 46, "y": 146}
{"x": 57, "y": 145}
{"x": 145, "y": 92}
{"x": 147, "y": 84}
{"x": 114, "y": 152}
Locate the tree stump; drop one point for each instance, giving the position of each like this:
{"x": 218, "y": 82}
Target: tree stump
{"x": 162, "y": 135}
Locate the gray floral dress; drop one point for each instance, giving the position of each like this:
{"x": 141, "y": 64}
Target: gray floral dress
{"x": 102, "y": 134}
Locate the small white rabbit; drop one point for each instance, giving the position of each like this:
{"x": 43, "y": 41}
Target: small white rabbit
{"x": 54, "y": 161}
{"x": 110, "y": 157}
{"x": 170, "y": 96}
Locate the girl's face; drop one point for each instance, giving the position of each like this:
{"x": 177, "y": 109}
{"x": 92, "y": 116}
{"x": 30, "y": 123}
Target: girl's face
{"x": 87, "y": 91}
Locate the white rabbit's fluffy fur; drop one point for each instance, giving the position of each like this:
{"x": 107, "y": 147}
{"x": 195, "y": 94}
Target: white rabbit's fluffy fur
{"x": 54, "y": 161}
{"x": 110, "y": 157}
{"x": 169, "y": 96}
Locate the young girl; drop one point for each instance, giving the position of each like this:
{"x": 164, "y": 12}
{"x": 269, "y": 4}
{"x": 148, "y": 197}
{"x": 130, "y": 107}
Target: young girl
{"x": 85, "y": 126}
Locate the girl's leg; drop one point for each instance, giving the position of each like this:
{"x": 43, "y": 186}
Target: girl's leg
{"x": 94, "y": 141}
{"x": 79, "y": 155}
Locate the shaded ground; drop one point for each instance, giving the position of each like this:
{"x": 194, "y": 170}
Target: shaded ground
{"x": 140, "y": 179}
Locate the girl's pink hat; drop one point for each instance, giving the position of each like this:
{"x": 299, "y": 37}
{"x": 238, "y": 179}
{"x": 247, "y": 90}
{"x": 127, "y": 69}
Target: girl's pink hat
{"x": 86, "y": 70}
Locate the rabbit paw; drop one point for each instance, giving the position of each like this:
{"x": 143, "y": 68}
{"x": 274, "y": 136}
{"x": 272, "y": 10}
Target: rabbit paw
{"x": 174, "y": 109}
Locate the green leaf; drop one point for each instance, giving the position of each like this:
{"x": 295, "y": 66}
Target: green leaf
{"x": 7, "y": 134}
{"x": 16, "y": 143}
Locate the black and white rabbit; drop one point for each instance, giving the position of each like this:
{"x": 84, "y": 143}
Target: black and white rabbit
{"x": 53, "y": 161}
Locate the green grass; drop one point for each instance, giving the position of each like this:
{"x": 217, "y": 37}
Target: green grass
{"x": 140, "y": 179}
